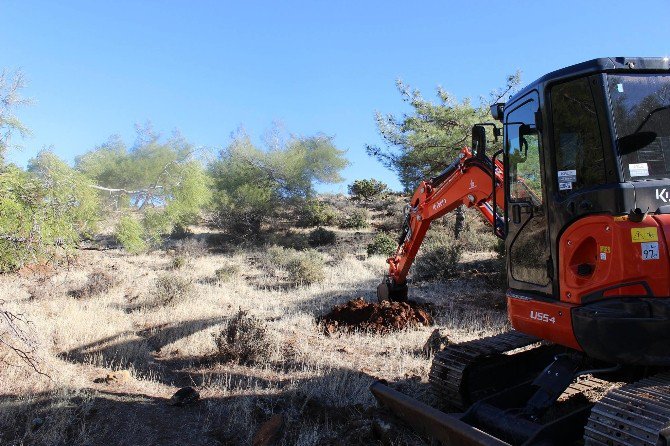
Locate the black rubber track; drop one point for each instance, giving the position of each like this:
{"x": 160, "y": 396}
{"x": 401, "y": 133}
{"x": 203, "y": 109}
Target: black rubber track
{"x": 636, "y": 414}
{"x": 453, "y": 374}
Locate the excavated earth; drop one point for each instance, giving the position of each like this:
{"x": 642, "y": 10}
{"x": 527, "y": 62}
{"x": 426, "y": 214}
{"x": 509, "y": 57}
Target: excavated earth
{"x": 359, "y": 315}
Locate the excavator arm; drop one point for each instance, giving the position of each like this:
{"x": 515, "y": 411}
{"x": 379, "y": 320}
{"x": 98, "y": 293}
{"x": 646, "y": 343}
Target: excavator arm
{"x": 470, "y": 180}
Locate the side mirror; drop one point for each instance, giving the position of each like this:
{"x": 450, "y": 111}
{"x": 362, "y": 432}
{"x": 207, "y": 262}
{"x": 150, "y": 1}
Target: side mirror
{"x": 635, "y": 141}
{"x": 497, "y": 111}
{"x": 478, "y": 140}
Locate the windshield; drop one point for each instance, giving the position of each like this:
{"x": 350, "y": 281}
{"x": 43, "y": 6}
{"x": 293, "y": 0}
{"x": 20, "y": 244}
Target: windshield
{"x": 641, "y": 108}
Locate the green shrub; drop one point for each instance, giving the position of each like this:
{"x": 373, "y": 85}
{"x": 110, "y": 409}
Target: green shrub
{"x": 300, "y": 267}
{"x": 315, "y": 213}
{"x": 227, "y": 273}
{"x": 367, "y": 189}
{"x": 180, "y": 231}
{"x": 383, "y": 244}
{"x": 290, "y": 239}
{"x": 356, "y": 219}
{"x": 253, "y": 185}
{"x": 392, "y": 224}
{"x": 43, "y": 212}
{"x": 157, "y": 224}
{"x": 170, "y": 288}
{"x": 439, "y": 257}
{"x": 130, "y": 234}
{"x": 321, "y": 237}
{"x": 388, "y": 205}
{"x": 244, "y": 340}
{"x": 276, "y": 255}
{"x": 305, "y": 268}
{"x": 178, "y": 262}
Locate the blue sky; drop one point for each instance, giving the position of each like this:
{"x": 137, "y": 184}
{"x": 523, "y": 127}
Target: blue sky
{"x": 208, "y": 67}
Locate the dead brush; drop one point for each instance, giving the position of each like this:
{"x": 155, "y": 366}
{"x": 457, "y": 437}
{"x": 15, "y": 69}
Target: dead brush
{"x": 321, "y": 237}
{"x": 392, "y": 224}
{"x": 227, "y": 273}
{"x": 439, "y": 257}
{"x": 99, "y": 282}
{"x": 190, "y": 248}
{"x": 244, "y": 340}
{"x": 170, "y": 288}
{"x": 178, "y": 262}
{"x": 44, "y": 289}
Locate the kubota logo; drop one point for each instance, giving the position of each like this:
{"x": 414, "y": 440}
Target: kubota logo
{"x": 439, "y": 204}
{"x": 663, "y": 195}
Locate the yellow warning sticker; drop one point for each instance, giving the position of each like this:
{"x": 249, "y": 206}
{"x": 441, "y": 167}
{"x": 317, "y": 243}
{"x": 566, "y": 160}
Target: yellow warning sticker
{"x": 606, "y": 249}
{"x": 639, "y": 235}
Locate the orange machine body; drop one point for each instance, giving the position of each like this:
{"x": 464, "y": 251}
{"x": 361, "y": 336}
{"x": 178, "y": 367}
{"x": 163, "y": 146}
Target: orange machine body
{"x": 601, "y": 258}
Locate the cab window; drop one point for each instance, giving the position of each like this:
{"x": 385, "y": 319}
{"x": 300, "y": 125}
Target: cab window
{"x": 578, "y": 146}
{"x": 523, "y": 144}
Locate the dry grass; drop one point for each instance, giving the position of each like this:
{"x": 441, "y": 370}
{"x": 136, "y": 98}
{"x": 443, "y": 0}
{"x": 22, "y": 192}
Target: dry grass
{"x": 98, "y": 282}
{"x": 318, "y": 382}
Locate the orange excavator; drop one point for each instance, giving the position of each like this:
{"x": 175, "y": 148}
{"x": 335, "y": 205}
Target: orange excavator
{"x": 581, "y": 196}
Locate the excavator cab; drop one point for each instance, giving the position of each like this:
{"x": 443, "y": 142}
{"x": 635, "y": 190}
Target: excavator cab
{"x": 587, "y": 164}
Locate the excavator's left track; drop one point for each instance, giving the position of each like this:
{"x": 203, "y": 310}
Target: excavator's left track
{"x": 464, "y": 373}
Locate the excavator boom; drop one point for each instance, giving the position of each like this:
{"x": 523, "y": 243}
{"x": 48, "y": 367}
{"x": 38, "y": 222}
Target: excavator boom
{"x": 472, "y": 180}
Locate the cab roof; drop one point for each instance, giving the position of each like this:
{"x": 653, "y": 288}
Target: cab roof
{"x": 600, "y": 65}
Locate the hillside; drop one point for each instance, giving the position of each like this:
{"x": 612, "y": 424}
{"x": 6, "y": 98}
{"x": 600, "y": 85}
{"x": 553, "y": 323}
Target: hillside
{"x": 119, "y": 334}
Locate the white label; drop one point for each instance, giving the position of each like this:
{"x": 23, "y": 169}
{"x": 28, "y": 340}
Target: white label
{"x": 649, "y": 251}
{"x": 619, "y": 88}
{"x": 603, "y": 256}
{"x": 564, "y": 186}
{"x": 542, "y": 317}
{"x": 567, "y": 176}
{"x": 638, "y": 170}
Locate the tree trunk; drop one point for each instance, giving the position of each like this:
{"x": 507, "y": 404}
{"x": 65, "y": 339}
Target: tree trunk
{"x": 460, "y": 222}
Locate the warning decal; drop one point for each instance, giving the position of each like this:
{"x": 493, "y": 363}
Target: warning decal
{"x": 639, "y": 235}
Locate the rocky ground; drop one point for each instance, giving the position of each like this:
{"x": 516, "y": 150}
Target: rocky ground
{"x": 272, "y": 361}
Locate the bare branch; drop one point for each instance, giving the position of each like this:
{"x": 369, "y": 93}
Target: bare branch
{"x": 113, "y": 190}
{"x": 12, "y": 328}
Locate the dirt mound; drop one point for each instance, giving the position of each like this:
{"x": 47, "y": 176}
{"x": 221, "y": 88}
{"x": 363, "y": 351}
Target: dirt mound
{"x": 382, "y": 317}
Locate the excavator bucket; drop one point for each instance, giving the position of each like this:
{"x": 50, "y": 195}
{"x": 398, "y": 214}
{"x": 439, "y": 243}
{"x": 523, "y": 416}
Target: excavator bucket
{"x": 448, "y": 429}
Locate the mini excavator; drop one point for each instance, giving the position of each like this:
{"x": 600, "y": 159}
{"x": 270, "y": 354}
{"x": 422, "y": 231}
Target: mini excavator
{"x": 580, "y": 192}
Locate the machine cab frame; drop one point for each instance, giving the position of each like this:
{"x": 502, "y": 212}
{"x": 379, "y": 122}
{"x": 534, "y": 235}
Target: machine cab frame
{"x": 564, "y": 159}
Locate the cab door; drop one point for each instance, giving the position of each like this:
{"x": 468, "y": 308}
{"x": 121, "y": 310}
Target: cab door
{"x": 528, "y": 248}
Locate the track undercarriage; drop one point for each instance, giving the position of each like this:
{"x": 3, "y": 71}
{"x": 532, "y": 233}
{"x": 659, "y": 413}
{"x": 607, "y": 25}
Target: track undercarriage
{"x": 513, "y": 398}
